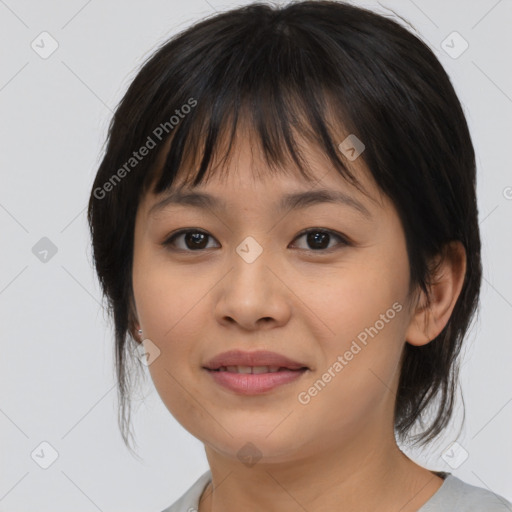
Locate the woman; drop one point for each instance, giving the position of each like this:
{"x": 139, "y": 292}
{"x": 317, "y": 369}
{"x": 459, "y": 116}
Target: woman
{"x": 285, "y": 224}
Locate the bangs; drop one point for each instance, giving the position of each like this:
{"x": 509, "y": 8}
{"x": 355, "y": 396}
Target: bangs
{"x": 279, "y": 99}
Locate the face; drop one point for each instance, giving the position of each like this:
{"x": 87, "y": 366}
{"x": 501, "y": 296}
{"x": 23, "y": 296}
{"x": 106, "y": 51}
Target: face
{"x": 322, "y": 283}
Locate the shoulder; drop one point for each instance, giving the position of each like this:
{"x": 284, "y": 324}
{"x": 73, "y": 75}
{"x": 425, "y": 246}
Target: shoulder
{"x": 189, "y": 502}
{"x": 455, "y": 494}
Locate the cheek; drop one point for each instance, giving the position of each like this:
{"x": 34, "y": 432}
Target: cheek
{"x": 364, "y": 308}
{"x": 353, "y": 298}
{"x": 167, "y": 305}
{"x": 169, "y": 301}
{"x": 360, "y": 373}
{"x": 161, "y": 293}
{"x": 168, "y": 308}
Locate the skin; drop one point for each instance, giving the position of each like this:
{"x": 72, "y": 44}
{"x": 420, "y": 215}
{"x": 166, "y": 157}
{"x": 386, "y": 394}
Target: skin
{"x": 338, "y": 452}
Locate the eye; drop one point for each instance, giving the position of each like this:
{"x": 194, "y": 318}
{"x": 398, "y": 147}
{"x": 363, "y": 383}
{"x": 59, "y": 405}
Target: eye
{"x": 318, "y": 239}
{"x": 197, "y": 240}
{"x": 193, "y": 239}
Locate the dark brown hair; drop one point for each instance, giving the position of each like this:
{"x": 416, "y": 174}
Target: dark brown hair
{"x": 285, "y": 70}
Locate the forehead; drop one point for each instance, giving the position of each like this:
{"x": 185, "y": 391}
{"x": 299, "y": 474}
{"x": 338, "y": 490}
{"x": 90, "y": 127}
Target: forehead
{"x": 246, "y": 166}
{"x": 248, "y": 181}
{"x": 297, "y": 200}
{"x": 241, "y": 172}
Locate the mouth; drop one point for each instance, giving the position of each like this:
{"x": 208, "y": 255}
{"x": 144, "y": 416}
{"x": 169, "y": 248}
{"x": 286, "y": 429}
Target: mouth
{"x": 256, "y": 369}
{"x": 254, "y": 373}
{"x": 255, "y": 380}
{"x": 260, "y": 361}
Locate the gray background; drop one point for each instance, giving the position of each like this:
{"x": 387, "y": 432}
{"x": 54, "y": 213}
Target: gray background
{"x": 57, "y": 381}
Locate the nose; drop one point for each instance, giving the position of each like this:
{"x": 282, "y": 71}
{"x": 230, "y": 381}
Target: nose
{"x": 252, "y": 295}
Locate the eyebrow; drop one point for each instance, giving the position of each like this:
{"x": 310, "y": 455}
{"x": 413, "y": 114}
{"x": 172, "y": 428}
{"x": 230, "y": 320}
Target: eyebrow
{"x": 295, "y": 201}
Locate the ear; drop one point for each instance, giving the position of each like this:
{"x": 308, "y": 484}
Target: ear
{"x": 133, "y": 322}
{"x": 133, "y": 329}
{"x": 134, "y": 332}
{"x": 449, "y": 269}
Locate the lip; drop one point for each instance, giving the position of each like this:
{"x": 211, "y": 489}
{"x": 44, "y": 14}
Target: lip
{"x": 257, "y": 358}
{"x": 254, "y": 383}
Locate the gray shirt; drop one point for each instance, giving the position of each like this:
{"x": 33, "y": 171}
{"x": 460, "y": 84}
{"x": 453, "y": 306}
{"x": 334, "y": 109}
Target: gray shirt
{"x": 454, "y": 495}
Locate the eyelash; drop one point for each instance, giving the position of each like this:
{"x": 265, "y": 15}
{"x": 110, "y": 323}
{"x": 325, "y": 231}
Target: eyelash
{"x": 169, "y": 241}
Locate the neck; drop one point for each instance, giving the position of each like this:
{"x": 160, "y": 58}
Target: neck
{"x": 356, "y": 475}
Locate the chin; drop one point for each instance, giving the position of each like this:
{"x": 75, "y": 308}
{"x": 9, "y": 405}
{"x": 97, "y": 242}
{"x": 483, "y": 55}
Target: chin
{"x": 258, "y": 445}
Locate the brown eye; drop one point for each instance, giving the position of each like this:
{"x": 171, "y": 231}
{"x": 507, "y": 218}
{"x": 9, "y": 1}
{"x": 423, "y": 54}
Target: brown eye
{"x": 319, "y": 239}
{"x": 193, "y": 240}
